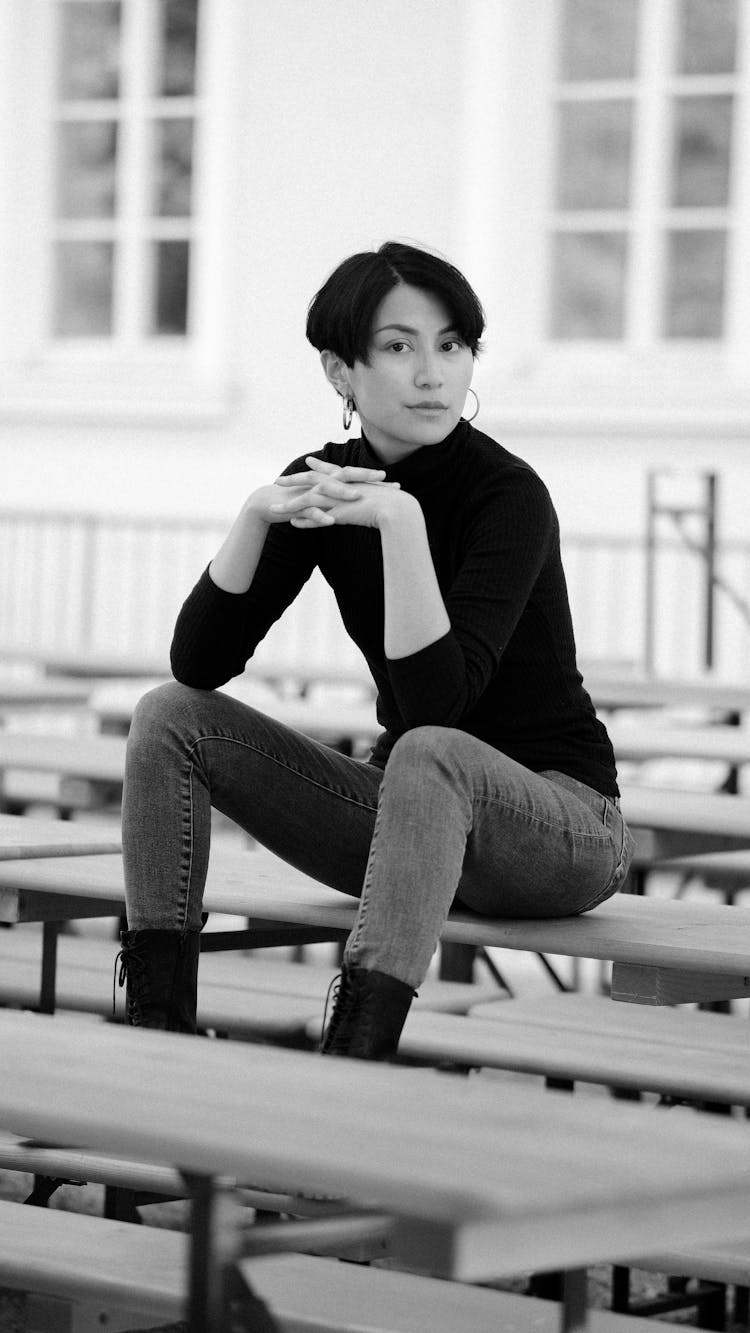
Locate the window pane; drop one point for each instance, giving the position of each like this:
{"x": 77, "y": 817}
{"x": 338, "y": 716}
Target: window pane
{"x": 702, "y": 144}
{"x": 89, "y": 49}
{"x": 87, "y": 152}
{"x": 594, "y": 155}
{"x": 599, "y": 39}
{"x": 83, "y": 288}
{"x": 173, "y": 167}
{"x": 179, "y": 31}
{"x": 695, "y": 284}
{"x": 588, "y": 287}
{"x": 171, "y": 265}
{"x": 706, "y": 36}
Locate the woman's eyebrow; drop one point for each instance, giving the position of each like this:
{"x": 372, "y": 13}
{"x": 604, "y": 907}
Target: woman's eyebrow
{"x": 405, "y": 328}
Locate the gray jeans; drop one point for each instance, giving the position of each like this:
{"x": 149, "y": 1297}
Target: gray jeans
{"x": 450, "y": 822}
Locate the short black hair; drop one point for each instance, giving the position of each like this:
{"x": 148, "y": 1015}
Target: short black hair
{"x": 341, "y": 314}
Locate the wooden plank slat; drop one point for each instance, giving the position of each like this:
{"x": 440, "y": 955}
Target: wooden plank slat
{"x": 695, "y": 1055}
{"x": 98, "y": 757}
{"x": 22, "y": 838}
{"x": 145, "y": 1272}
{"x": 529, "y": 1181}
{"x": 663, "y": 985}
{"x": 691, "y": 936}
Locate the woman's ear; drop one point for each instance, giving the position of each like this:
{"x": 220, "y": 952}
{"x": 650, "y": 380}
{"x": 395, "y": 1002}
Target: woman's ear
{"x": 336, "y": 371}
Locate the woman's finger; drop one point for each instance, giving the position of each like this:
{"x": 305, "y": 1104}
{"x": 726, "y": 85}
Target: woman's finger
{"x": 302, "y": 479}
{"x": 348, "y": 473}
{"x": 312, "y": 518}
{"x": 320, "y": 465}
{"x": 299, "y": 504}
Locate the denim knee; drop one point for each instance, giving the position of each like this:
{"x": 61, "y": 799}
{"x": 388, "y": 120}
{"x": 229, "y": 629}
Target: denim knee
{"x": 429, "y": 748}
{"x": 159, "y": 709}
{"x": 426, "y": 740}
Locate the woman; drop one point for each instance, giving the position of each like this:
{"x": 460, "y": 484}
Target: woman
{"x": 493, "y": 784}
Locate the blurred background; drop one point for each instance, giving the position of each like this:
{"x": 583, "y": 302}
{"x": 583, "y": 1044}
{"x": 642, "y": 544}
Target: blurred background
{"x": 179, "y": 176}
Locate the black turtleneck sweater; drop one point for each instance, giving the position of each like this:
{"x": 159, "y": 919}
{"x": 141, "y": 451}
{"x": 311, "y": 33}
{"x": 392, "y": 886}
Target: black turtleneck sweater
{"x": 505, "y": 671}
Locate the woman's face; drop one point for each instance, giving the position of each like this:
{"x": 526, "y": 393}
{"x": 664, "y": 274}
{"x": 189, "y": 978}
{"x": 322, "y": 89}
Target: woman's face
{"x": 414, "y": 388}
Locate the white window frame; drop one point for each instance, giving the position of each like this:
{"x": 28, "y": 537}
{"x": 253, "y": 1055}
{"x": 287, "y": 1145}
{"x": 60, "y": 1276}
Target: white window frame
{"x": 511, "y": 80}
{"x": 153, "y": 378}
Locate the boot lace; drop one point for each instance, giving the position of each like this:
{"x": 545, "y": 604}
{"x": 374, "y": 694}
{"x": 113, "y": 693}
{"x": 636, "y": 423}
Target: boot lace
{"x": 132, "y": 966}
{"x": 340, "y": 997}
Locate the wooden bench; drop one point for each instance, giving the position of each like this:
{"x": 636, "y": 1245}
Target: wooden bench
{"x": 698, "y": 1057}
{"x": 611, "y": 690}
{"x": 676, "y": 1053}
{"x": 256, "y": 996}
{"x": 465, "y": 1209}
{"x": 77, "y": 772}
{"x": 642, "y": 742}
{"x": 662, "y": 951}
{"x": 120, "y": 1273}
{"x": 17, "y": 695}
{"x": 728, "y": 871}
{"x": 685, "y": 1056}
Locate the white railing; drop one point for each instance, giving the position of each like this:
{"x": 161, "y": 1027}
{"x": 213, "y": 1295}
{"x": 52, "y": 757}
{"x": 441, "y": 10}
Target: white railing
{"x": 86, "y": 583}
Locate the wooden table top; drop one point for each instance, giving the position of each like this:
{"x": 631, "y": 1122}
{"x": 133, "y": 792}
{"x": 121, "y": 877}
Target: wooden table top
{"x": 610, "y": 690}
{"x": 17, "y": 694}
{"x": 682, "y": 1052}
{"x": 681, "y": 823}
{"x": 98, "y": 757}
{"x": 497, "y": 1180}
{"x": 643, "y": 741}
{"x": 693, "y": 936}
{"x": 21, "y": 838}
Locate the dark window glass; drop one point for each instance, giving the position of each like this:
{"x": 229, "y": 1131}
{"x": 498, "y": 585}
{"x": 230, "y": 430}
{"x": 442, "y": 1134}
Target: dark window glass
{"x": 588, "y": 288}
{"x": 173, "y": 167}
{"x": 86, "y": 168}
{"x": 171, "y": 271}
{"x": 177, "y": 49}
{"x": 706, "y": 36}
{"x": 83, "y": 288}
{"x": 593, "y": 169}
{"x": 89, "y": 51}
{"x": 598, "y": 39}
{"x": 695, "y": 284}
{"x": 702, "y": 151}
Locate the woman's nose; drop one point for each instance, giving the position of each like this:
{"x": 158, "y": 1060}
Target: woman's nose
{"x": 428, "y": 370}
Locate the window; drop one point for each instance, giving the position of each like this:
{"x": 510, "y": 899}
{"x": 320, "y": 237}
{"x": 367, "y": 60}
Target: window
{"x": 124, "y": 227}
{"x": 642, "y": 220}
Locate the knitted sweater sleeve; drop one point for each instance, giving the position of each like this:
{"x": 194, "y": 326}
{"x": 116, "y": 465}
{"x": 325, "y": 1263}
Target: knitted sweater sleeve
{"x": 507, "y": 542}
{"x": 218, "y": 631}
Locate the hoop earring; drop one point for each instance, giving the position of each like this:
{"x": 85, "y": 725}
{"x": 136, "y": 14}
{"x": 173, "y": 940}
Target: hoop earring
{"x": 349, "y": 408}
{"x": 476, "y": 409}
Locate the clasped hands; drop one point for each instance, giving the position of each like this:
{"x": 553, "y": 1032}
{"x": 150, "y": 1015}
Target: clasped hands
{"x": 328, "y": 495}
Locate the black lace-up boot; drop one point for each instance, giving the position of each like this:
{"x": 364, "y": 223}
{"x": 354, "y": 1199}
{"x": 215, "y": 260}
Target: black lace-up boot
{"x": 369, "y": 1012}
{"x": 161, "y": 970}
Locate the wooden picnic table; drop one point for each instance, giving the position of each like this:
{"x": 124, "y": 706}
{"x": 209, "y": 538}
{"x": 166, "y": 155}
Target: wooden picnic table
{"x": 22, "y": 838}
{"x": 485, "y": 1183}
{"x": 38, "y": 695}
{"x": 662, "y": 951}
{"x": 643, "y": 741}
{"x": 612, "y": 691}
{"x": 100, "y": 758}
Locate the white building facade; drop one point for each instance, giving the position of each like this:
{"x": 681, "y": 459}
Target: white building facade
{"x": 179, "y": 176}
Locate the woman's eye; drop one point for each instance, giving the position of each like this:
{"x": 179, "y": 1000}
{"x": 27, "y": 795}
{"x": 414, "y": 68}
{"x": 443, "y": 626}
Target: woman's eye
{"x": 452, "y": 345}
{"x": 396, "y": 347}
